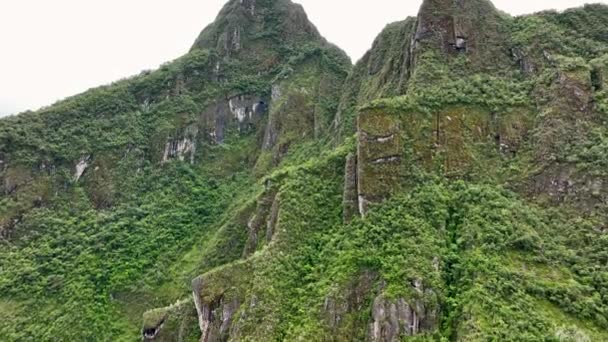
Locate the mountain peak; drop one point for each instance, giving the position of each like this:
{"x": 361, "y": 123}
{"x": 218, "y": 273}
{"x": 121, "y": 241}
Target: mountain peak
{"x": 458, "y": 26}
{"x": 242, "y": 22}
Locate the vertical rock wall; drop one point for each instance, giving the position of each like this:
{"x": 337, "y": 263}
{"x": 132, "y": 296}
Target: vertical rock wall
{"x": 379, "y": 157}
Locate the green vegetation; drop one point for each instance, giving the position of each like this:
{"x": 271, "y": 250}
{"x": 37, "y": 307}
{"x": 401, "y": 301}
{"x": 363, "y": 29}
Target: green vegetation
{"x": 480, "y": 170}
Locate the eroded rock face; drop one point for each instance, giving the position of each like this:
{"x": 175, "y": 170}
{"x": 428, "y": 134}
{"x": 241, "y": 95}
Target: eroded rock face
{"x": 350, "y": 196}
{"x": 391, "y": 319}
{"x": 244, "y": 112}
{"x": 265, "y": 216}
{"x": 273, "y": 217}
{"x": 247, "y": 110}
{"x": 564, "y": 183}
{"x": 81, "y": 167}
{"x": 291, "y": 112}
{"x": 240, "y": 20}
{"x": 568, "y": 119}
{"x": 170, "y": 324}
{"x": 379, "y": 154}
{"x": 217, "y": 297}
{"x": 473, "y": 27}
{"x": 152, "y": 331}
{"x": 215, "y": 319}
{"x": 182, "y": 146}
{"x": 525, "y": 63}
{"x": 394, "y": 319}
{"x": 215, "y": 315}
{"x": 355, "y": 297}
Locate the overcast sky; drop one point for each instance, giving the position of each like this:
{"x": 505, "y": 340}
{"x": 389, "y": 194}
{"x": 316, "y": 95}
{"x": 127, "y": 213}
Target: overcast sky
{"x": 51, "y": 49}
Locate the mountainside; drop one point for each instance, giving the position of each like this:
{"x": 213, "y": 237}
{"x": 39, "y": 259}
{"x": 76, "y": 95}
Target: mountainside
{"x": 450, "y": 186}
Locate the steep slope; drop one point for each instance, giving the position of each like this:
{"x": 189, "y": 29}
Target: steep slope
{"x": 452, "y": 186}
{"x": 475, "y": 204}
{"x": 103, "y": 192}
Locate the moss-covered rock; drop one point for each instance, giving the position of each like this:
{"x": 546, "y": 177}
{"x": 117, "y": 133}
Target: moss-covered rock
{"x": 175, "y": 323}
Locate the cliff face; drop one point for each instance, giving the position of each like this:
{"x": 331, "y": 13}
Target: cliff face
{"x": 450, "y": 186}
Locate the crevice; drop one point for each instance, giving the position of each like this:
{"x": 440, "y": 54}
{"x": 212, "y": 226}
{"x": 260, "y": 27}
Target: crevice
{"x": 377, "y": 138}
{"x": 596, "y": 80}
{"x": 385, "y": 160}
{"x": 151, "y": 333}
{"x": 451, "y": 308}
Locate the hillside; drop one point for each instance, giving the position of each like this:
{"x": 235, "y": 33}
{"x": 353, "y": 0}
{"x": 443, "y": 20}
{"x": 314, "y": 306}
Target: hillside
{"x": 450, "y": 186}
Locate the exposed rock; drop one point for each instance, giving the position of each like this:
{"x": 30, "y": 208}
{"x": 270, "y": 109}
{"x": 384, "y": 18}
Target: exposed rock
{"x": 7, "y": 226}
{"x": 228, "y": 34}
{"x": 458, "y": 129}
{"x": 562, "y": 182}
{"x": 261, "y": 218}
{"x": 250, "y": 5}
{"x": 350, "y": 206}
{"x": 47, "y": 167}
{"x": 472, "y": 26}
{"x": 356, "y": 296}
{"x": 299, "y": 109}
{"x": 170, "y": 324}
{"x": 378, "y": 157}
{"x": 523, "y": 60}
{"x": 390, "y": 321}
{"x": 183, "y": 146}
{"x": 567, "y": 120}
{"x": 276, "y": 92}
{"x": 271, "y": 226}
{"x": 217, "y": 297}
{"x": 247, "y": 110}
{"x": 215, "y": 319}
{"x": 571, "y": 334}
{"x": 151, "y": 331}
{"x": 244, "y": 112}
{"x": 291, "y": 117}
{"x": 81, "y": 167}
{"x": 394, "y": 319}
{"x": 384, "y": 71}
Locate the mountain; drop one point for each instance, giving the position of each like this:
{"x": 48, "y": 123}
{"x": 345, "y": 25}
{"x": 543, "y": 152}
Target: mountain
{"x": 450, "y": 186}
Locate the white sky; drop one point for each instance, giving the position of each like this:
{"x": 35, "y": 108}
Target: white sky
{"x": 51, "y": 49}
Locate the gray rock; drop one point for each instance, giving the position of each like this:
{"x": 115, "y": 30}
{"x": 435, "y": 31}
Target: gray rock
{"x": 182, "y": 146}
{"x": 394, "y": 319}
{"x": 81, "y": 167}
{"x": 349, "y": 200}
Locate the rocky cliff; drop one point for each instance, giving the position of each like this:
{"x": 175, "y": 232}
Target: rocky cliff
{"x": 451, "y": 185}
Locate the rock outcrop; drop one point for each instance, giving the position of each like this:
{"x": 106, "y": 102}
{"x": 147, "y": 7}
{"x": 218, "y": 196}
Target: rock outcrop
{"x": 181, "y": 148}
{"x": 569, "y": 118}
{"x": 350, "y": 198}
{"x": 243, "y": 113}
{"x": 81, "y": 167}
{"x": 390, "y": 320}
{"x": 340, "y": 308}
{"x": 394, "y": 319}
{"x": 240, "y": 26}
{"x": 379, "y": 156}
{"x": 174, "y": 323}
{"x": 264, "y": 217}
{"x": 473, "y": 27}
{"x": 218, "y": 296}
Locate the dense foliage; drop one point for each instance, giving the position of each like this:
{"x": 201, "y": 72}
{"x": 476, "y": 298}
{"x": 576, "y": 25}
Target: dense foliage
{"x": 494, "y": 225}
